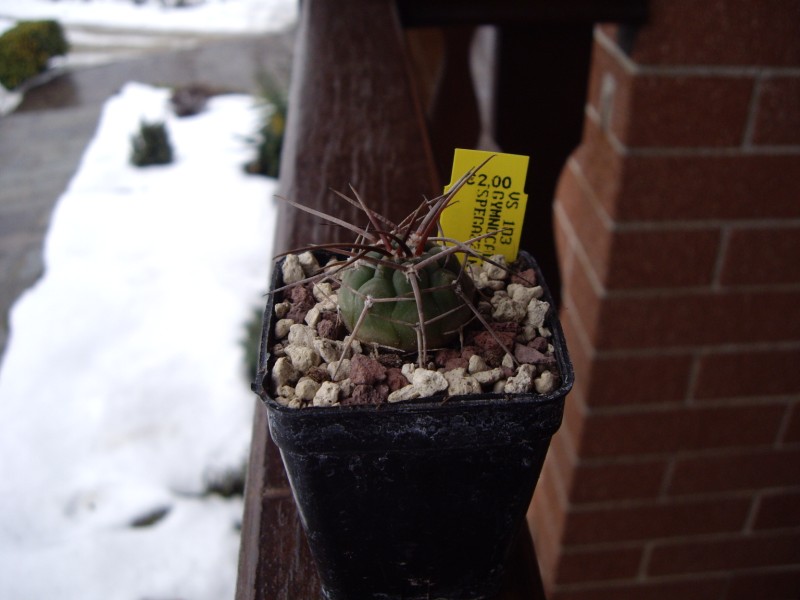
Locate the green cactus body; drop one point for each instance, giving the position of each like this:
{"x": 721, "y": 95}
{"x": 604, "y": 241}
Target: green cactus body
{"x": 393, "y": 323}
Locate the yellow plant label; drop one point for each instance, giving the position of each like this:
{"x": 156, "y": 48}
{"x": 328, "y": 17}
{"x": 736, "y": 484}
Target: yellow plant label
{"x": 491, "y": 203}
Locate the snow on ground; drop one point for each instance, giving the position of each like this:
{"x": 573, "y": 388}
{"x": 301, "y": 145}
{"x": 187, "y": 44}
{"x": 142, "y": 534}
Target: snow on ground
{"x": 102, "y": 31}
{"x": 207, "y": 16}
{"x": 123, "y": 388}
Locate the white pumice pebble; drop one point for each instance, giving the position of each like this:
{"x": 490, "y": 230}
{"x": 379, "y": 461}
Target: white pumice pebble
{"x": 496, "y": 271}
{"x": 355, "y": 345}
{"x": 302, "y": 335}
{"x": 523, "y": 294}
{"x": 324, "y": 294}
{"x": 508, "y": 361}
{"x": 408, "y": 392}
{"x": 428, "y": 382}
{"x": 281, "y": 309}
{"x": 545, "y": 383}
{"x": 286, "y": 390}
{"x": 327, "y": 394}
{"x": 537, "y": 311}
{"x": 488, "y": 377}
{"x": 522, "y": 382}
{"x": 302, "y": 357}
{"x": 460, "y": 383}
{"x": 347, "y": 386}
{"x": 499, "y": 386}
{"x": 527, "y": 333}
{"x": 283, "y": 372}
{"x": 476, "y": 364}
{"x": 308, "y": 262}
{"x": 282, "y": 328}
{"x": 292, "y": 270}
{"x": 408, "y": 370}
{"x": 339, "y": 372}
{"x": 485, "y": 282}
{"x": 313, "y": 316}
{"x": 328, "y": 350}
{"x": 508, "y": 309}
{"x": 306, "y": 388}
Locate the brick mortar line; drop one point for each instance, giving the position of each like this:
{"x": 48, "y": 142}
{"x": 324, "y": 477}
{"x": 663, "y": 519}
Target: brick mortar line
{"x": 783, "y": 428}
{"x": 752, "y": 113}
{"x": 750, "y": 521}
{"x": 631, "y": 67}
{"x": 704, "y": 224}
{"x": 570, "y": 447}
{"x": 666, "y": 480}
{"x": 695, "y": 576}
{"x": 683, "y": 455}
{"x": 711, "y": 403}
{"x": 614, "y": 225}
{"x": 694, "y": 376}
{"x": 741, "y": 150}
{"x": 681, "y": 539}
{"x": 657, "y": 351}
{"x": 680, "y": 292}
{"x": 644, "y": 563}
{"x": 581, "y": 256}
{"x": 586, "y": 187}
{"x": 677, "y": 500}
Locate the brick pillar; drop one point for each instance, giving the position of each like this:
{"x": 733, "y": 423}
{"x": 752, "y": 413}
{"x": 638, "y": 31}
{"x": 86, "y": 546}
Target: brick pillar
{"x": 676, "y": 473}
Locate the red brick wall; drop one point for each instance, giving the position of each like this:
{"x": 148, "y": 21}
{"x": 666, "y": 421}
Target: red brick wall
{"x": 677, "y": 471}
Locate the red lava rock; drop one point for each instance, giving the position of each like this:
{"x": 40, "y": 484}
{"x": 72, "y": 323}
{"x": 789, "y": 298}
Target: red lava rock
{"x": 506, "y": 327}
{"x": 526, "y": 278}
{"x": 468, "y": 352}
{"x": 366, "y": 371}
{"x": 330, "y": 327}
{"x": 318, "y": 374}
{"x": 457, "y": 362}
{"x": 531, "y": 356}
{"x": 301, "y": 300}
{"x": 444, "y": 355}
{"x": 538, "y": 343}
{"x": 302, "y": 295}
{"x": 493, "y": 356}
{"x": 297, "y": 314}
{"x": 368, "y": 394}
{"x": 390, "y": 360}
{"x": 485, "y": 341}
{"x": 395, "y": 379}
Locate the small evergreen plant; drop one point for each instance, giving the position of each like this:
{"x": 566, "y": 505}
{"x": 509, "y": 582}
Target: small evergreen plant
{"x": 151, "y": 145}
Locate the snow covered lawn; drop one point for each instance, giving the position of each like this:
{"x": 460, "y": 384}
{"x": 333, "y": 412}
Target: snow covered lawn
{"x": 123, "y": 388}
{"x": 208, "y": 16}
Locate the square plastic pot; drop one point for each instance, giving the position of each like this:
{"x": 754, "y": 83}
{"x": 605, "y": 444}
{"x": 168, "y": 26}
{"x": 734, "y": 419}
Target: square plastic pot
{"x": 415, "y": 500}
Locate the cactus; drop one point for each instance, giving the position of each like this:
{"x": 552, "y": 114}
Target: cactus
{"x": 401, "y": 286}
{"x": 443, "y": 285}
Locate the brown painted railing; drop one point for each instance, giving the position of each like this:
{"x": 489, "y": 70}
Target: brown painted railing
{"x": 355, "y": 118}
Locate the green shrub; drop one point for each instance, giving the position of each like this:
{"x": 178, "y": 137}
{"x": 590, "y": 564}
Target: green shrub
{"x": 26, "y": 49}
{"x": 269, "y": 141}
{"x": 151, "y": 146}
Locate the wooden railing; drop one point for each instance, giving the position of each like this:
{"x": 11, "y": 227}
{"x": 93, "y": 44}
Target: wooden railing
{"x": 355, "y": 118}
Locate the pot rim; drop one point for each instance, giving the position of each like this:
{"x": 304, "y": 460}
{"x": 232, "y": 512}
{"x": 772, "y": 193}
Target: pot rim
{"x": 465, "y": 402}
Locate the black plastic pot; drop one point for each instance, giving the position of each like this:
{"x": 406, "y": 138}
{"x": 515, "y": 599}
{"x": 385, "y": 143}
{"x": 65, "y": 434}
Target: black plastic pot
{"x": 420, "y": 499}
